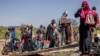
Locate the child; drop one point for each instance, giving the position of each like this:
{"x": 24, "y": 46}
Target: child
{"x": 7, "y": 38}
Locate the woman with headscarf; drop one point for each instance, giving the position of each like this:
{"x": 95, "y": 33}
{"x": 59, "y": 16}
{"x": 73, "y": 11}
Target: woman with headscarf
{"x": 85, "y": 43}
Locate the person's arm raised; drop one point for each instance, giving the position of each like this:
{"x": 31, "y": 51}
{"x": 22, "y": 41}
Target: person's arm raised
{"x": 77, "y": 14}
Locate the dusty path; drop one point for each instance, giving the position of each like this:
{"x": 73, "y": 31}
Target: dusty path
{"x": 1, "y": 46}
{"x": 2, "y": 43}
{"x": 68, "y": 49}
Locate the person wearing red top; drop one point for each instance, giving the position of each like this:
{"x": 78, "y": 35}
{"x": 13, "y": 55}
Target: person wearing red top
{"x": 23, "y": 37}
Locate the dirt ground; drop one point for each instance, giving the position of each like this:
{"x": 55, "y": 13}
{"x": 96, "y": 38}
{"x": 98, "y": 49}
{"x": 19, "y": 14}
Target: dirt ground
{"x": 2, "y": 43}
{"x": 1, "y": 46}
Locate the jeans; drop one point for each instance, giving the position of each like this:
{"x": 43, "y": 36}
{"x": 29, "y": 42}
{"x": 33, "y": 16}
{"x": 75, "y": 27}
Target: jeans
{"x": 37, "y": 44}
{"x": 63, "y": 38}
{"x": 12, "y": 45}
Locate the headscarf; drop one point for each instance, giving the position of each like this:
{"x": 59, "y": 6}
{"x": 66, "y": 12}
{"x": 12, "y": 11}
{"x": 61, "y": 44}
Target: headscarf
{"x": 85, "y": 10}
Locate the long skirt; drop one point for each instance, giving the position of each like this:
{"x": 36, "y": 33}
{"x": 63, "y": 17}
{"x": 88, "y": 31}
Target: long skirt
{"x": 28, "y": 45}
{"x": 85, "y": 43}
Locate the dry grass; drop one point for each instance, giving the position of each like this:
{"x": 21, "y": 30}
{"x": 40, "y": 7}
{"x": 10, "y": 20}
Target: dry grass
{"x": 63, "y": 53}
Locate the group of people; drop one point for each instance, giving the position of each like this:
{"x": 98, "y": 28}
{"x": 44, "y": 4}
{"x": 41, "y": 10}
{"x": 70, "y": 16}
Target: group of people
{"x": 10, "y": 36}
{"x": 45, "y": 36}
{"x": 52, "y": 31}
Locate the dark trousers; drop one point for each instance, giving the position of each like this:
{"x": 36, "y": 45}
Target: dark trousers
{"x": 52, "y": 41}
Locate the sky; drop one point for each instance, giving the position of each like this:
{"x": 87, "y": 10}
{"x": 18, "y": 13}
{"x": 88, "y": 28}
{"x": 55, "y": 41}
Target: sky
{"x": 37, "y": 12}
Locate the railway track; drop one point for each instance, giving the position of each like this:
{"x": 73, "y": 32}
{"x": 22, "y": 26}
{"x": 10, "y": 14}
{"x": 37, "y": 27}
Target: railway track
{"x": 69, "y": 46}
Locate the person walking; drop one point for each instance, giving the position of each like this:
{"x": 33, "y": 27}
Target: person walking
{"x": 64, "y": 35}
{"x": 49, "y": 34}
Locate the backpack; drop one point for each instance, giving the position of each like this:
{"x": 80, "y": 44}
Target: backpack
{"x": 90, "y": 18}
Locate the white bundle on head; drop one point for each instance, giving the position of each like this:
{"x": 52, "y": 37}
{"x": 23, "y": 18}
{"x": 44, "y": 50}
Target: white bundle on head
{"x": 55, "y": 25}
{"x": 65, "y": 13}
